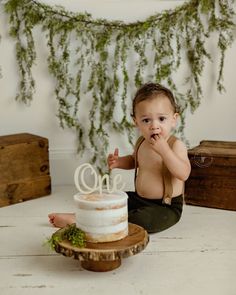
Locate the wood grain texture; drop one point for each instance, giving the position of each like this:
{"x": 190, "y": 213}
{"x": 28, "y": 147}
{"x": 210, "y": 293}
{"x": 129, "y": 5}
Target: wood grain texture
{"x": 108, "y": 255}
{"x": 212, "y": 179}
{"x": 24, "y": 168}
{"x": 196, "y": 256}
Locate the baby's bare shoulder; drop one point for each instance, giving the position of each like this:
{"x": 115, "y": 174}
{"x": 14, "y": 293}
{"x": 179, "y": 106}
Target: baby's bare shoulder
{"x": 179, "y": 147}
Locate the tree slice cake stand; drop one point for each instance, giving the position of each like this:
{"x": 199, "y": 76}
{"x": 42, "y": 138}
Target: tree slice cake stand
{"x": 106, "y": 256}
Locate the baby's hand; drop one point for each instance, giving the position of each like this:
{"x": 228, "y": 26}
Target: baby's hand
{"x": 112, "y": 159}
{"x": 159, "y": 144}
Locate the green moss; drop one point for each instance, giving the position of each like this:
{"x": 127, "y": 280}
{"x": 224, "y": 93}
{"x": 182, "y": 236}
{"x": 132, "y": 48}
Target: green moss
{"x": 71, "y": 233}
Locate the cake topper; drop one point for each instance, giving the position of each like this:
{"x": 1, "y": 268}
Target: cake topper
{"x": 98, "y": 180}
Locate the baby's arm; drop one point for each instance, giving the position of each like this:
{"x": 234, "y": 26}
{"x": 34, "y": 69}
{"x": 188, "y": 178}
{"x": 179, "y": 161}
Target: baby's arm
{"x": 125, "y": 162}
{"x": 176, "y": 159}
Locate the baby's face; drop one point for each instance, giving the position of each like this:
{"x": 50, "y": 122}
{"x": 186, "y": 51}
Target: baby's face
{"x": 155, "y": 116}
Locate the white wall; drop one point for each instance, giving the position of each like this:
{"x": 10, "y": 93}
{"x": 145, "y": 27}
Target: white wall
{"x": 214, "y": 119}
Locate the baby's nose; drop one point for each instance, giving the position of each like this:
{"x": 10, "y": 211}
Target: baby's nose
{"x": 155, "y": 126}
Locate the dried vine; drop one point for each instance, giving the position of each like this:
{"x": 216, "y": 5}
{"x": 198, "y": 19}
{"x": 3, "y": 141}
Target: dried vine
{"x": 105, "y": 60}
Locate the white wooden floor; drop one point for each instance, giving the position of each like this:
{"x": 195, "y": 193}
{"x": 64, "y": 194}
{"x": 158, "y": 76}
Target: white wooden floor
{"x": 196, "y": 256}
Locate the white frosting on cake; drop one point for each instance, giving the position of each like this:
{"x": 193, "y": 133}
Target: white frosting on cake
{"x": 103, "y": 218}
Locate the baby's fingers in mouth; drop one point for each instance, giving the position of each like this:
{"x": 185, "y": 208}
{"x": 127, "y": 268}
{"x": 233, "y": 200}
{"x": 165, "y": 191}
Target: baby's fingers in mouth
{"x": 154, "y": 136}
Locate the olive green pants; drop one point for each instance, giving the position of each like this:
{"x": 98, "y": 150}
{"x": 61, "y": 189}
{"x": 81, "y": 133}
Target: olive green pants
{"x": 152, "y": 215}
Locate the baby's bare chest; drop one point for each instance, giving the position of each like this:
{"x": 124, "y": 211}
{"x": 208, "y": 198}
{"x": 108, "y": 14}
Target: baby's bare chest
{"x": 148, "y": 158}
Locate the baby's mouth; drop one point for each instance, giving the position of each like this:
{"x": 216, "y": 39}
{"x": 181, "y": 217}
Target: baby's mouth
{"x": 154, "y": 135}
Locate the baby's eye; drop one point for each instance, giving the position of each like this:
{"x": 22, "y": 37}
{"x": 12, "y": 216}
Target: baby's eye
{"x": 162, "y": 119}
{"x": 146, "y": 120}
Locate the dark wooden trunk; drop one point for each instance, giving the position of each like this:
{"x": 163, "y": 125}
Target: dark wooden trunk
{"x": 24, "y": 168}
{"x": 212, "y": 182}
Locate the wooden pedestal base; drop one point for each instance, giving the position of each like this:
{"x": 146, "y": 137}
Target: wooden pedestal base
{"x": 105, "y": 256}
{"x": 101, "y": 266}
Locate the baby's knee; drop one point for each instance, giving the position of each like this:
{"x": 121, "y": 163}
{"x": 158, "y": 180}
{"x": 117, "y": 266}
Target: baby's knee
{"x": 144, "y": 219}
{"x": 151, "y": 220}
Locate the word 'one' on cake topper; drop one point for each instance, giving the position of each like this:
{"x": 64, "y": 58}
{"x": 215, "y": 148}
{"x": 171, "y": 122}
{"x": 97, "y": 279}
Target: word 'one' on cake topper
{"x": 83, "y": 187}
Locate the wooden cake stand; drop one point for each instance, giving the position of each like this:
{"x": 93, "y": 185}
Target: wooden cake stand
{"x": 105, "y": 256}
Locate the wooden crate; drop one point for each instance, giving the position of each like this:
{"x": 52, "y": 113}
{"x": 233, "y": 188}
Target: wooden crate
{"x": 212, "y": 182}
{"x": 24, "y": 168}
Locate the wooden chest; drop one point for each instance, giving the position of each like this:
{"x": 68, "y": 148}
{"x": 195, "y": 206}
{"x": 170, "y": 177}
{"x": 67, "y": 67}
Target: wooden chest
{"x": 24, "y": 168}
{"x": 212, "y": 182}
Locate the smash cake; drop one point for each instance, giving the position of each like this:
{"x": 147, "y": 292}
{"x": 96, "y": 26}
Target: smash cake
{"x": 102, "y": 214}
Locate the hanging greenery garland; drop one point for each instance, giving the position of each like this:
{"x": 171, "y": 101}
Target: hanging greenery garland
{"x": 105, "y": 60}
{"x": 0, "y": 66}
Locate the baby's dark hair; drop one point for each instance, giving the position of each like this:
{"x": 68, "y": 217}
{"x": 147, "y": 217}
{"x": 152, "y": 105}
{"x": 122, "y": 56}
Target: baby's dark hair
{"x": 150, "y": 90}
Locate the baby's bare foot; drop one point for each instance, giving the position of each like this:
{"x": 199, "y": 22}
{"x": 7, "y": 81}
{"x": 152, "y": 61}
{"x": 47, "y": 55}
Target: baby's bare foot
{"x": 61, "y": 219}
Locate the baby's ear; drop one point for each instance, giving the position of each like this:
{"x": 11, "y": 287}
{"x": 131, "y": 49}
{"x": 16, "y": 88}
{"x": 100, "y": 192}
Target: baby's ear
{"x": 135, "y": 121}
{"x": 175, "y": 118}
